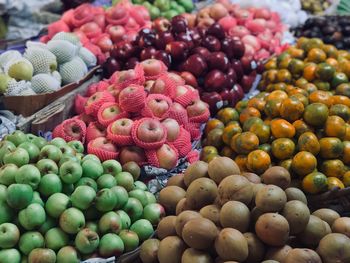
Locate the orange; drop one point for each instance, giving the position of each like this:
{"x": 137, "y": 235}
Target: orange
{"x": 314, "y": 183}
{"x": 283, "y": 148}
{"x": 241, "y": 161}
{"x": 335, "y": 127}
{"x": 261, "y": 130}
{"x": 229, "y": 131}
{"x": 334, "y": 182}
{"x": 282, "y": 129}
{"x": 333, "y": 168}
{"x": 258, "y": 161}
{"x": 228, "y": 114}
{"x": 308, "y": 142}
{"x": 301, "y": 127}
{"x": 316, "y": 55}
{"x": 331, "y": 148}
{"x": 245, "y": 142}
{"x": 321, "y": 97}
{"x": 291, "y": 109}
{"x": 304, "y": 163}
{"x": 248, "y": 113}
{"x": 213, "y": 124}
{"x": 346, "y": 179}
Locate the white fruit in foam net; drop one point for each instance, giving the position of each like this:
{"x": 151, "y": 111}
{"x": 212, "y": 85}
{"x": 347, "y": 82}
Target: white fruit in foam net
{"x": 4, "y": 80}
{"x": 20, "y": 69}
{"x": 27, "y": 92}
{"x": 57, "y": 76}
{"x": 87, "y": 56}
{"x": 73, "y": 70}
{"x": 9, "y": 56}
{"x": 45, "y": 83}
{"x": 35, "y": 44}
{"x": 70, "y": 37}
{"x": 63, "y": 50}
{"x": 43, "y": 61}
{"x": 15, "y": 88}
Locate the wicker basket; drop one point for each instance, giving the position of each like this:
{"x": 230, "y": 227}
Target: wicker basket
{"x": 336, "y": 199}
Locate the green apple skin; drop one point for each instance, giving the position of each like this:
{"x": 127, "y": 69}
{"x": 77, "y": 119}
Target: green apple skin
{"x": 130, "y": 239}
{"x": 18, "y": 157}
{"x": 6, "y": 147}
{"x": 105, "y": 200}
{"x": 92, "y": 226}
{"x": 79, "y": 156}
{"x": 86, "y": 241}
{"x": 9, "y": 235}
{"x": 68, "y": 189}
{"x": 38, "y": 254}
{"x": 56, "y": 204}
{"x": 70, "y": 172}
{"x": 187, "y": 4}
{"x": 37, "y": 199}
{"x": 92, "y": 169}
{"x": 19, "y": 196}
{"x": 67, "y": 150}
{"x": 154, "y": 12}
{"x": 6, "y": 212}
{"x": 77, "y": 146}
{"x": 91, "y": 157}
{"x": 111, "y": 245}
{"x": 39, "y": 142}
{"x": 58, "y": 142}
{"x": 133, "y": 208}
{"x": 56, "y": 238}
{"x": 169, "y": 14}
{"x": 122, "y": 196}
{"x": 112, "y": 167}
{"x": 126, "y": 180}
{"x": 72, "y": 220}
{"x": 83, "y": 197}
{"x": 8, "y": 173}
{"x": 47, "y": 166}
{"x": 110, "y": 222}
{"x": 29, "y": 241}
{"x": 126, "y": 221}
{"x": 67, "y": 157}
{"x": 32, "y": 217}
{"x": 10, "y": 255}
{"x": 180, "y": 9}
{"x": 87, "y": 181}
{"x": 153, "y": 213}
{"x": 49, "y": 223}
{"x": 140, "y": 185}
{"x": 32, "y": 150}
{"x": 3, "y": 193}
{"x": 28, "y": 174}
{"x": 151, "y": 199}
{"x": 68, "y": 254}
{"x": 133, "y": 168}
{"x": 106, "y": 181}
{"x": 50, "y": 152}
{"x": 143, "y": 228}
{"x": 31, "y": 137}
{"x": 50, "y": 184}
{"x": 17, "y": 137}
{"x": 139, "y": 195}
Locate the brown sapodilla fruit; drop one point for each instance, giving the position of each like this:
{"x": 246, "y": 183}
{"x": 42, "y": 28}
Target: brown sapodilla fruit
{"x": 166, "y": 227}
{"x": 170, "y": 196}
{"x": 342, "y": 225}
{"x": 230, "y": 244}
{"x": 194, "y": 171}
{"x": 277, "y": 175}
{"x": 177, "y": 180}
{"x": 334, "y": 247}
{"x": 183, "y": 218}
{"x": 235, "y": 188}
{"x": 302, "y": 255}
{"x": 221, "y": 167}
{"x": 294, "y": 193}
{"x": 235, "y": 214}
{"x": 171, "y": 249}
{"x": 181, "y": 206}
{"x": 211, "y": 212}
{"x": 314, "y": 231}
{"x": 149, "y": 250}
{"x": 270, "y": 198}
{"x": 192, "y": 255}
{"x": 201, "y": 192}
{"x": 327, "y": 215}
{"x": 297, "y": 215}
{"x": 256, "y": 249}
{"x": 278, "y": 253}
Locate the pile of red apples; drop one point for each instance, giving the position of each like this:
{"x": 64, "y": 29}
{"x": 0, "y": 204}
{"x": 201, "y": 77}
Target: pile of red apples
{"x": 98, "y": 28}
{"x": 145, "y": 114}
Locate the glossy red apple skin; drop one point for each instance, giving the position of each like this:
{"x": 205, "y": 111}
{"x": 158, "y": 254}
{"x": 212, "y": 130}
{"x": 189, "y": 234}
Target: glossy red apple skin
{"x": 189, "y": 78}
{"x": 204, "y": 52}
{"x": 110, "y": 66}
{"x": 196, "y": 108}
{"x": 195, "y": 64}
{"x": 173, "y": 129}
{"x": 229, "y": 97}
{"x": 163, "y": 38}
{"x": 214, "y": 100}
{"x": 218, "y": 60}
{"x": 104, "y": 144}
{"x": 150, "y": 130}
{"x": 161, "y": 24}
{"x": 211, "y": 43}
{"x": 116, "y": 32}
{"x": 177, "y": 49}
{"x": 215, "y": 80}
{"x": 158, "y": 107}
{"x": 167, "y": 157}
{"x": 147, "y": 53}
{"x": 132, "y": 153}
{"x": 122, "y": 127}
{"x": 238, "y": 68}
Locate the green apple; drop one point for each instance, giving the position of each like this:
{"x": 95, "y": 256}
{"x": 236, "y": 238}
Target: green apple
{"x": 77, "y": 146}
{"x": 180, "y": 9}
{"x": 39, "y": 142}
{"x": 173, "y": 5}
{"x": 50, "y": 184}
{"x": 19, "y": 196}
{"x": 67, "y": 150}
{"x": 92, "y": 225}
{"x": 32, "y": 150}
{"x": 6, "y": 147}
{"x": 37, "y": 199}
{"x": 28, "y": 174}
{"x": 86, "y": 181}
{"x": 83, "y": 197}
{"x": 68, "y": 189}
{"x": 29, "y": 241}
{"x": 10, "y": 255}
{"x": 133, "y": 168}
{"x": 130, "y": 240}
{"x": 16, "y": 137}
{"x": 169, "y": 14}
{"x": 32, "y": 217}
{"x": 139, "y": 195}
{"x": 49, "y": 223}
{"x": 67, "y": 157}
{"x": 79, "y": 156}
{"x": 111, "y": 245}
{"x": 137, "y": 2}
{"x": 126, "y": 221}
{"x": 55, "y": 239}
{"x": 58, "y": 142}
{"x": 153, "y": 213}
{"x": 8, "y": 173}
{"x": 6, "y": 212}
{"x": 72, "y": 220}
{"x": 31, "y": 137}
{"x": 47, "y": 166}
{"x": 68, "y": 254}
{"x": 9, "y": 235}
{"x": 50, "y": 152}
{"x": 42, "y": 255}
{"x": 126, "y": 180}
{"x": 86, "y": 241}
{"x": 112, "y": 167}
{"x": 187, "y": 4}
{"x": 147, "y": 5}
{"x": 140, "y": 185}
{"x": 91, "y": 157}
{"x": 92, "y": 169}
{"x": 18, "y": 157}
{"x": 163, "y": 5}
{"x": 105, "y": 200}
{"x": 154, "y": 12}
{"x": 122, "y": 196}
{"x": 110, "y": 222}
{"x": 106, "y": 181}
{"x": 3, "y": 193}
{"x": 151, "y": 199}
{"x": 143, "y": 228}
{"x": 56, "y": 204}
{"x": 70, "y": 172}
{"x": 133, "y": 208}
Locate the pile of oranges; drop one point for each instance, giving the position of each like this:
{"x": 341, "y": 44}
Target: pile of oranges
{"x": 300, "y": 120}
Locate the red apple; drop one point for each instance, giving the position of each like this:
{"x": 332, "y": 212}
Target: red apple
{"x": 152, "y": 67}
{"x": 167, "y": 157}
{"x": 117, "y": 32}
{"x": 111, "y": 112}
{"x": 230, "y": 97}
{"x": 179, "y": 113}
{"x": 196, "y": 108}
{"x": 158, "y": 105}
{"x": 95, "y": 130}
{"x": 132, "y": 153}
{"x": 161, "y": 24}
{"x": 189, "y": 78}
{"x": 176, "y": 77}
{"x": 104, "y": 144}
{"x": 122, "y": 127}
{"x": 214, "y": 100}
{"x": 158, "y": 87}
{"x": 173, "y": 129}
{"x": 180, "y": 91}
{"x": 150, "y": 130}
{"x": 148, "y": 85}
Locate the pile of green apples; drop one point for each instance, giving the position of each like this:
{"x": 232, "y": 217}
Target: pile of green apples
{"x": 59, "y": 205}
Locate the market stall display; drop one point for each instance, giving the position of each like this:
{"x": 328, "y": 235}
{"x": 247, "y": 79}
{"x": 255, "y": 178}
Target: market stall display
{"x": 60, "y": 205}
